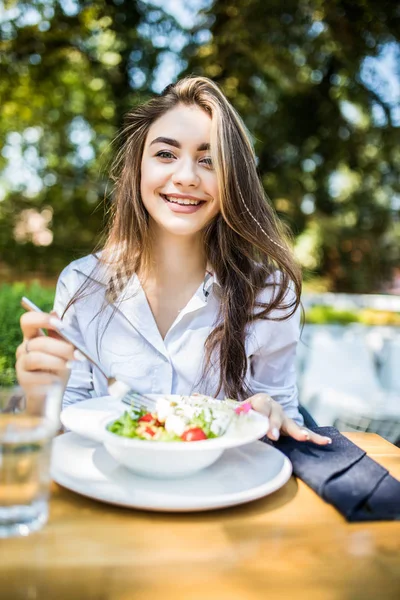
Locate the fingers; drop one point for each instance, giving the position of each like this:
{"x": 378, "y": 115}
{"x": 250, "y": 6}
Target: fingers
{"x": 45, "y": 354}
{"x": 271, "y": 409}
{"x": 261, "y": 403}
{"x": 276, "y": 419}
{"x": 38, "y": 368}
{"x": 48, "y": 345}
{"x": 33, "y": 322}
{"x": 303, "y": 434}
{"x": 30, "y": 380}
{"x": 51, "y": 332}
{"x": 42, "y": 360}
{"x": 279, "y": 422}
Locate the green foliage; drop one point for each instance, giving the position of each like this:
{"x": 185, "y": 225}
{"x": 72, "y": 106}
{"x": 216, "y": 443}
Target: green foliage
{"x": 320, "y": 314}
{"x": 326, "y": 315}
{"x": 302, "y": 74}
{"x": 71, "y": 72}
{"x": 11, "y": 311}
{"x": 7, "y": 374}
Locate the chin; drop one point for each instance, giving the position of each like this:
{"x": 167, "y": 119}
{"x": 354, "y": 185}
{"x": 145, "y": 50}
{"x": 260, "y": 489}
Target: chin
{"x": 182, "y": 229}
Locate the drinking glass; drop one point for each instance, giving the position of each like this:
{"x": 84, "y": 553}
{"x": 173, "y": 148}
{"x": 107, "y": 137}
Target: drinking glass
{"x": 26, "y": 433}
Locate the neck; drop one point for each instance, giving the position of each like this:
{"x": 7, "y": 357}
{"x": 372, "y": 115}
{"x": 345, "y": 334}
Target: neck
{"x": 179, "y": 259}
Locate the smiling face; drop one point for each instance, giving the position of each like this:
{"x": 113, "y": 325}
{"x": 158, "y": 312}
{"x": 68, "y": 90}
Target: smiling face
{"x": 178, "y": 184}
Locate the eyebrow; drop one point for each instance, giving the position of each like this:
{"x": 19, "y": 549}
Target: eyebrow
{"x": 176, "y": 144}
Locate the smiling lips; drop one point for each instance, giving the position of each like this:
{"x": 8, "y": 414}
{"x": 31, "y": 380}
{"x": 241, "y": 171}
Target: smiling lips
{"x": 182, "y": 203}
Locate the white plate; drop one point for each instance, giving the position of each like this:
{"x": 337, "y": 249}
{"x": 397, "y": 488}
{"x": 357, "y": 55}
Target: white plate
{"x": 240, "y": 475}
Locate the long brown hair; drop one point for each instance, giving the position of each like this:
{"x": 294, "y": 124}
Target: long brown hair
{"x": 245, "y": 244}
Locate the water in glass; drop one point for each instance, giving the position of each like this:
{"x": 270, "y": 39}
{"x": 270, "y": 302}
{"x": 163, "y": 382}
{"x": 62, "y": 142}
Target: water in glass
{"x": 25, "y": 451}
{"x": 25, "y": 443}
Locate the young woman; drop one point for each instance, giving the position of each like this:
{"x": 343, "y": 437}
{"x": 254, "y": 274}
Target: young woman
{"x": 195, "y": 288}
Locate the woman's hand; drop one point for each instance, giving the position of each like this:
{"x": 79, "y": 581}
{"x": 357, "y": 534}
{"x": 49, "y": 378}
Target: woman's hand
{"x": 41, "y": 359}
{"x": 279, "y": 422}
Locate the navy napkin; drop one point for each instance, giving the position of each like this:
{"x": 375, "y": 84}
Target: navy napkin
{"x": 343, "y": 475}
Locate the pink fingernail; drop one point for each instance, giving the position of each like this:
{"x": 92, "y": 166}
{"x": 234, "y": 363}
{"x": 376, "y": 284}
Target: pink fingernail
{"x": 244, "y": 407}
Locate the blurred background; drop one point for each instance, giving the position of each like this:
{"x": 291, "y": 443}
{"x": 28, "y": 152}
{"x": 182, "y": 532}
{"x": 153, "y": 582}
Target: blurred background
{"x": 318, "y": 85}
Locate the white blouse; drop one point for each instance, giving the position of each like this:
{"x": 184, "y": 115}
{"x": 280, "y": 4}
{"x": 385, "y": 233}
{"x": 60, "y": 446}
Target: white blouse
{"x": 126, "y": 340}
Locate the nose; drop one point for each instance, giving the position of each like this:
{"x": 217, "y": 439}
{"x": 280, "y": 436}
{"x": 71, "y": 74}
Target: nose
{"x": 185, "y": 173}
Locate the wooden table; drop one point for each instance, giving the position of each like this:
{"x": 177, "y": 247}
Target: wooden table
{"x": 287, "y": 545}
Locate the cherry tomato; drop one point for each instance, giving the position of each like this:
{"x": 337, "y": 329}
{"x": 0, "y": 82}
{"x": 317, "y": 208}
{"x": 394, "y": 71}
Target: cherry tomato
{"x": 146, "y": 418}
{"x": 150, "y": 431}
{"x": 193, "y": 435}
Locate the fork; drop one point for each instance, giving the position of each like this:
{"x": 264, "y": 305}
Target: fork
{"x": 117, "y": 388}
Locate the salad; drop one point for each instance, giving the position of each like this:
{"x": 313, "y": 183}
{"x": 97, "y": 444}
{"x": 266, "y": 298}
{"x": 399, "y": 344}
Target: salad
{"x": 187, "y": 420}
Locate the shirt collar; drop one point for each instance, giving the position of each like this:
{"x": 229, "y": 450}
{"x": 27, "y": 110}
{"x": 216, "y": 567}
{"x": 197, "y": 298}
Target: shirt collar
{"x": 209, "y": 280}
{"x": 101, "y": 275}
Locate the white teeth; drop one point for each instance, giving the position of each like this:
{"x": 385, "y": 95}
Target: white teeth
{"x": 182, "y": 201}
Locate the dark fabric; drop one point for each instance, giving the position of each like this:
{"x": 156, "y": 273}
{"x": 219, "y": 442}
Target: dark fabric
{"x": 343, "y": 475}
{"x": 308, "y": 420}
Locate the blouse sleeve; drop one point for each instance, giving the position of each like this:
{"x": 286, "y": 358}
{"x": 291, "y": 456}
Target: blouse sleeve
{"x": 273, "y": 362}
{"x": 80, "y": 383}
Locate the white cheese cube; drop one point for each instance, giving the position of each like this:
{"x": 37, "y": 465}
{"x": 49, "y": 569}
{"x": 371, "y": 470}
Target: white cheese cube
{"x": 175, "y": 424}
{"x": 164, "y": 409}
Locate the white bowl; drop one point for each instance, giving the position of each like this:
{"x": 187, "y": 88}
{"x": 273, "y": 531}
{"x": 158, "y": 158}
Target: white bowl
{"x": 179, "y": 459}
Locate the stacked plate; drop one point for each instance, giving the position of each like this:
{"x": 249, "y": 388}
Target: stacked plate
{"x": 245, "y": 471}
